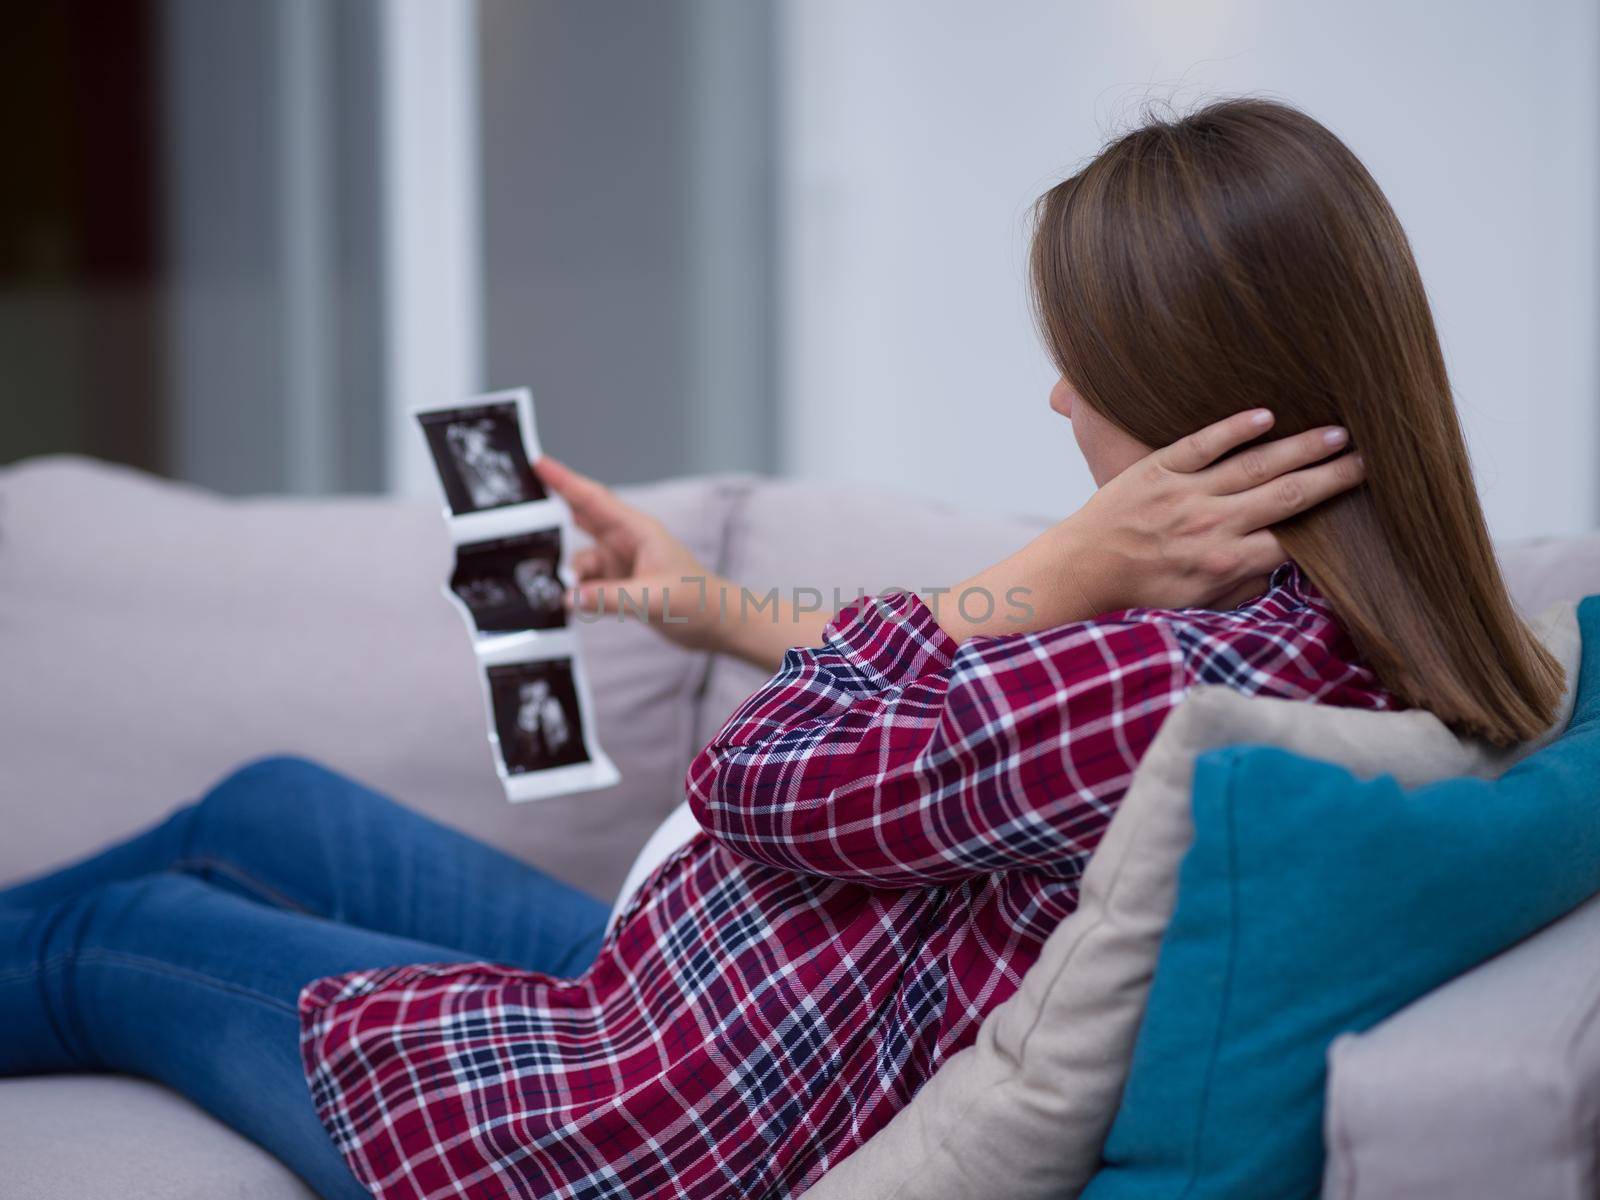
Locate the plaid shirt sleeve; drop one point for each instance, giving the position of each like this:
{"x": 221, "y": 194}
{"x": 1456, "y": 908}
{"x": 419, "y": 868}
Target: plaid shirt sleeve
{"x": 892, "y": 757}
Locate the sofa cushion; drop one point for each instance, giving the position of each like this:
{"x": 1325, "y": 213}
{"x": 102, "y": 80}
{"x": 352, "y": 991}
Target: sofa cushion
{"x": 1312, "y": 903}
{"x": 155, "y": 636}
{"x": 93, "y": 1137}
{"x": 1024, "y": 1111}
{"x": 1498, "y": 1072}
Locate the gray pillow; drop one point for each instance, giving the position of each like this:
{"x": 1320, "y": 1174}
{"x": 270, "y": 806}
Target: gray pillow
{"x": 1024, "y": 1111}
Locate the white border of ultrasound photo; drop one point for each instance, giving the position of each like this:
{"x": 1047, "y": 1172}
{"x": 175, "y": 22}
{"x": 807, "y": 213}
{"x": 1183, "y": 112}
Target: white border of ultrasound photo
{"x": 514, "y": 518}
{"x": 598, "y": 771}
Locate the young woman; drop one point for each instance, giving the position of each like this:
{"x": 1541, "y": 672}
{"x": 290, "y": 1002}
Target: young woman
{"x": 898, "y": 819}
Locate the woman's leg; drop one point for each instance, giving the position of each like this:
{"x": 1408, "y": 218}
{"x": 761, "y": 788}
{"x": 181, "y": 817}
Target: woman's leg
{"x": 175, "y": 980}
{"x": 294, "y": 835}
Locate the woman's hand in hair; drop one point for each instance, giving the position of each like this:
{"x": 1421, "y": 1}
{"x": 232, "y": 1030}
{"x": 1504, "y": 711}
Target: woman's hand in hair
{"x": 1190, "y": 525}
{"x": 1186, "y": 526}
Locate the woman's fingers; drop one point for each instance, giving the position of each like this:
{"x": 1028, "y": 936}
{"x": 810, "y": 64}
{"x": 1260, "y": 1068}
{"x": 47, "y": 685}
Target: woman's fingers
{"x": 595, "y": 507}
{"x": 1294, "y": 493}
{"x": 595, "y": 599}
{"x": 589, "y": 563}
{"x": 1199, "y": 450}
{"x": 614, "y": 598}
{"x": 1263, "y": 463}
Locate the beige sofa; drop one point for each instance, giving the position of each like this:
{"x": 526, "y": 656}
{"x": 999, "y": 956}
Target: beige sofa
{"x": 154, "y": 636}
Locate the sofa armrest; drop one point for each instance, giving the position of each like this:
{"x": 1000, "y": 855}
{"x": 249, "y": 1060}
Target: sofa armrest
{"x": 1488, "y": 1087}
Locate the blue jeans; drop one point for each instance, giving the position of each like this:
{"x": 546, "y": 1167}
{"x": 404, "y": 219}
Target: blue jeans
{"x": 179, "y": 955}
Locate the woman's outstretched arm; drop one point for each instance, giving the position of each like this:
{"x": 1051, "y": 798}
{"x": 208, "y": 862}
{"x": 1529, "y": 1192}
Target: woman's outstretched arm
{"x": 636, "y": 567}
{"x": 1188, "y": 524}
{"x": 893, "y": 757}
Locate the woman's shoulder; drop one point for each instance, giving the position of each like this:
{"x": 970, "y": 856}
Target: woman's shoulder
{"x": 1286, "y": 642}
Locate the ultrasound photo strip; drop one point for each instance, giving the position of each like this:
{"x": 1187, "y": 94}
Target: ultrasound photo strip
{"x": 539, "y": 720}
{"x": 512, "y": 584}
{"x": 509, "y": 583}
{"x": 483, "y": 452}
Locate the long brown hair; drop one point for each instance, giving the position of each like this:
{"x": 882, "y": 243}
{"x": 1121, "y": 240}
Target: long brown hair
{"x": 1242, "y": 256}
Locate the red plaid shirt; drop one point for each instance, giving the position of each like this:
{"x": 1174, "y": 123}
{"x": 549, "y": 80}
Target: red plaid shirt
{"x": 893, "y": 826}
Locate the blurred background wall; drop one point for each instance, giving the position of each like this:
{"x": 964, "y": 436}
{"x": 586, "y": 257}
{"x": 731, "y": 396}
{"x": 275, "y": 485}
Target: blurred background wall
{"x": 240, "y": 238}
{"x": 917, "y": 132}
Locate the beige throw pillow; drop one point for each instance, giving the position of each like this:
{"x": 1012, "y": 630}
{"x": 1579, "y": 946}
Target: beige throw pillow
{"x": 1024, "y": 1111}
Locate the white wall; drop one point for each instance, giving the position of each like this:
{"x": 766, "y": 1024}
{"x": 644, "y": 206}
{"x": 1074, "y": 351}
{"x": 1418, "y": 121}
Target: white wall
{"x": 916, "y": 134}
